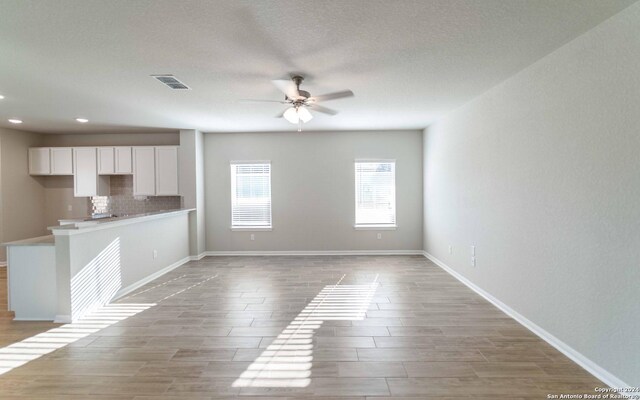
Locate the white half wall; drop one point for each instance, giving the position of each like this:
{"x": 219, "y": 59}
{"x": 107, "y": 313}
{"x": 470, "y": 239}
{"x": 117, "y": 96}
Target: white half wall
{"x": 313, "y": 194}
{"x": 542, "y": 175}
{"x": 93, "y": 267}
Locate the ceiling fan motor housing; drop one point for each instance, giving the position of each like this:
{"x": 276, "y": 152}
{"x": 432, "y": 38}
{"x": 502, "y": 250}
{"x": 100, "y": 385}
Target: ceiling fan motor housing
{"x": 300, "y": 101}
{"x": 297, "y": 79}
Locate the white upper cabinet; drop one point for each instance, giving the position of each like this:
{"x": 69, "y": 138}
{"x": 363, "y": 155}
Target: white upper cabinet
{"x": 61, "y": 161}
{"x": 154, "y": 168}
{"x": 144, "y": 171}
{"x": 155, "y": 171}
{"x": 167, "y": 171}
{"x": 123, "y": 160}
{"x": 39, "y": 161}
{"x": 86, "y": 181}
{"x": 114, "y": 161}
{"x": 50, "y": 161}
{"x": 106, "y": 161}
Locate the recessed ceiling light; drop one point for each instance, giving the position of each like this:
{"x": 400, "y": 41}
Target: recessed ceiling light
{"x": 15, "y": 121}
{"x": 1, "y": 97}
{"x": 82, "y": 120}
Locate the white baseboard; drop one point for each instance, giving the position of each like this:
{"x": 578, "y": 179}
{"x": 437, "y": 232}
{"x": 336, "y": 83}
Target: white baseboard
{"x": 61, "y": 319}
{"x": 198, "y": 257}
{"x": 124, "y": 291}
{"x": 316, "y": 253}
{"x": 590, "y": 366}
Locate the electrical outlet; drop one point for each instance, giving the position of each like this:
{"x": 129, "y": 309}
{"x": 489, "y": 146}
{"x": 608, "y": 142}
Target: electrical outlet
{"x": 379, "y": 236}
{"x": 155, "y": 254}
{"x": 253, "y": 236}
{"x": 473, "y": 251}
{"x": 450, "y": 249}
{"x": 69, "y": 207}
{"x": 473, "y": 261}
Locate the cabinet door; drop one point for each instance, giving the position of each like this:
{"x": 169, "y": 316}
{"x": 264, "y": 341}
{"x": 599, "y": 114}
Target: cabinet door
{"x": 39, "y": 161}
{"x": 123, "y": 160}
{"x": 166, "y": 171}
{"x": 144, "y": 171}
{"x": 106, "y": 161}
{"x": 85, "y": 171}
{"x": 61, "y": 161}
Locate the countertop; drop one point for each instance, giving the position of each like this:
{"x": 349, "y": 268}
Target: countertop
{"x": 48, "y": 240}
{"x": 103, "y": 223}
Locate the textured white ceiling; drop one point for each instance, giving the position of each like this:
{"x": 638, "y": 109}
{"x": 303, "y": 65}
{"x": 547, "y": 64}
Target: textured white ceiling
{"x": 407, "y": 62}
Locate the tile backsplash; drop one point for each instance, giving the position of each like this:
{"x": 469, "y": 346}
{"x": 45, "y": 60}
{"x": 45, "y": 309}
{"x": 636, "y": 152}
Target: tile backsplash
{"x": 122, "y": 202}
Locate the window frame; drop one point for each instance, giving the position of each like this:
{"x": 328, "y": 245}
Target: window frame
{"x": 232, "y": 177}
{"x": 374, "y": 226}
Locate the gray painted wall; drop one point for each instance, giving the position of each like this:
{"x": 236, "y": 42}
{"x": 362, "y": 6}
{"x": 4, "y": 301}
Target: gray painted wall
{"x": 22, "y": 197}
{"x": 542, "y": 174}
{"x": 111, "y": 139}
{"x": 191, "y": 164}
{"x": 58, "y": 192}
{"x": 313, "y": 199}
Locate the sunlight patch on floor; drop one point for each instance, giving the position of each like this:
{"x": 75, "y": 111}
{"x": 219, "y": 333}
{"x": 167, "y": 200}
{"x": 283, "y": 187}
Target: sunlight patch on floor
{"x": 20, "y": 353}
{"x": 288, "y": 360}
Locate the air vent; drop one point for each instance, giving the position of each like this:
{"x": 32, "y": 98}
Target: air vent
{"x": 172, "y": 82}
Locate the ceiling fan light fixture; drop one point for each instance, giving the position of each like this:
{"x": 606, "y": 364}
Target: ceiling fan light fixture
{"x": 304, "y": 114}
{"x": 291, "y": 115}
{"x": 300, "y": 101}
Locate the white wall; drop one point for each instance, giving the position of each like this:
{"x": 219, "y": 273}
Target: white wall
{"x": 542, "y": 174}
{"x": 313, "y": 199}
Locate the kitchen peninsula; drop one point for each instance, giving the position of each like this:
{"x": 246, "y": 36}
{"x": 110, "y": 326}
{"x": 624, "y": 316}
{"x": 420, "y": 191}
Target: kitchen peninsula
{"x": 81, "y": 266}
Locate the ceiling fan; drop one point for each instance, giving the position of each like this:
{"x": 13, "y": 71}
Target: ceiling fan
{"x": 300, "y": 101}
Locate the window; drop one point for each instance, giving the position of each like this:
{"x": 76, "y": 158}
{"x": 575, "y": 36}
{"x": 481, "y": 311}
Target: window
{"x": 375, "y": 194}
{"x": 250, "y": 195}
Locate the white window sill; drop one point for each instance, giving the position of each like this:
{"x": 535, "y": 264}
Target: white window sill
{"x": 251, "y": 228}
{"x": 375, "y": 227}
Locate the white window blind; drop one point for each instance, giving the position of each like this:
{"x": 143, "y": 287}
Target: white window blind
{"x": 375, "y": 193}
{"x": 250, "y": 195}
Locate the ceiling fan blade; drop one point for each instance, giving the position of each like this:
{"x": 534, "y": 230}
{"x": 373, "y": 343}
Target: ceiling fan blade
{"x": 287, "y": 87}
{"x": 332, "y": 96}
{"x": 321, "y": 109}
{"x": 249, "y": 101}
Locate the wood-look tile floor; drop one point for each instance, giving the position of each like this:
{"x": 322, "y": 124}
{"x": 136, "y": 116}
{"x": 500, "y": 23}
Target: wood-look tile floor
{"x": 351, "y": 327}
